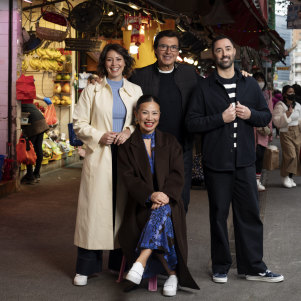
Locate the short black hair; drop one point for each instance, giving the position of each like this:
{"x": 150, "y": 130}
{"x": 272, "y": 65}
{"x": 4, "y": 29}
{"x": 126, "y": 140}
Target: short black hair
{"x": 129, "y": 61}
{"x": 221, "y": 37}
{"x": 146, "y": 98}
{"x": 258, "y": 75}
{"x": 166, "y": 33}
{"x": 285, "y": 89}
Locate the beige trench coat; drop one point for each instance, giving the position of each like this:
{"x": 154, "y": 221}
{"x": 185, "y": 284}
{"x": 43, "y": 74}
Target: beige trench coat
{"x": 92, "y": 117}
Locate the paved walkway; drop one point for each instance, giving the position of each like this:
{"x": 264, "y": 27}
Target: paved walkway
{"x": 37, "y": 256}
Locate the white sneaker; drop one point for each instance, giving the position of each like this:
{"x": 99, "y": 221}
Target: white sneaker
{"x": 286, "y": 182}
{"x": 135, "y": 273}
{"x": 80, "y": 280}
{"x": 293, "y": 182}
{"x": 170, "y": 286}
{"x": 260, "y": 187}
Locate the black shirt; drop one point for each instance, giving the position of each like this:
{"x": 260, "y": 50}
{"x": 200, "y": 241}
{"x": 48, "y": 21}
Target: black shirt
{"x": 172, "y": 119}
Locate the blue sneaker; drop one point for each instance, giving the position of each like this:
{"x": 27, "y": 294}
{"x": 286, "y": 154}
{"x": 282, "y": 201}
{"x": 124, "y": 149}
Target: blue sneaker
{"x": 267, "y": 276}
{"x": 219, "y": 278}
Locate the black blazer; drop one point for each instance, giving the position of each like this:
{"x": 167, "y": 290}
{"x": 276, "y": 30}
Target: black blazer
{"x": 186, "y": 78}
{"x": 204, "y": 116}
{"x": 133, "y": 167}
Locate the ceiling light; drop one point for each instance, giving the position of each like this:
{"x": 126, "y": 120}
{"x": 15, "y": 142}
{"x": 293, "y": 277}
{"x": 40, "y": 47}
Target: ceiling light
{"x": 181, "y": 28}
{"x": 134, "y": 6}
{"x": 110, "y": 13}
{"x": 133, "y": 48}
{"x": 130, "y": 27}
{"x": 28, "y": 1}
{"x": 196, "y": 63}
{"x": 146, "y": 12}
{"x": 160, "y": 21}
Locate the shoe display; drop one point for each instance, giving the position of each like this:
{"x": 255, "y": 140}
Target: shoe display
{"x": 293, "y": 182}
{"x": 135, "y": 273}
{"x": 267, "y": 276}
{"x": 260, "y": 187}
{"x": 286, "y": 182}
{"x": 219, "y": 278}
{"x": 80, "y": 280}
{"x": 170, "y": 286}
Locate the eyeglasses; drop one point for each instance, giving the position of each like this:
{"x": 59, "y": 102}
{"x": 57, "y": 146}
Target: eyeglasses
{"x": 164, "y": 47}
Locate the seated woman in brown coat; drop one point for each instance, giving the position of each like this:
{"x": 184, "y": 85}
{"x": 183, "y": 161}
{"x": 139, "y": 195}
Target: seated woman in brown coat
{"x": 153, "y": 232}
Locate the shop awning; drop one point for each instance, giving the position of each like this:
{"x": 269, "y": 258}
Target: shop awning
{"x": 250, "y": 28}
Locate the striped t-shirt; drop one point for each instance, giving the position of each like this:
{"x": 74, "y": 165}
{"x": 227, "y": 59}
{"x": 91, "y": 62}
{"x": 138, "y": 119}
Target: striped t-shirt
{"x": 230, "y": 87}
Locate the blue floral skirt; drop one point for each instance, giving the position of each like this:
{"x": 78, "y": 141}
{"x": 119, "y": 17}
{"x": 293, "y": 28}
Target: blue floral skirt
{"x": 158, "y": 235}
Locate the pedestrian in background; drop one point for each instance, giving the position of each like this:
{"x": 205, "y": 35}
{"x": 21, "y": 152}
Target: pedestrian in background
{"x": 287, "y": 117}
{"x": 102, "y": 120}
{"x": 225, "y": 108}
{"x": 263, "y": 135}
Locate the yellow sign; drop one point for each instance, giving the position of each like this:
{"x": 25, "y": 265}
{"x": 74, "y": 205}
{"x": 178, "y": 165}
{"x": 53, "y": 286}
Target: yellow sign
{"x": 284, "y": 68}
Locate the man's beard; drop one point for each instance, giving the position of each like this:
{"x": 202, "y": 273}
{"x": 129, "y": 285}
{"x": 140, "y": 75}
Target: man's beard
{"x": 225, "y": 65}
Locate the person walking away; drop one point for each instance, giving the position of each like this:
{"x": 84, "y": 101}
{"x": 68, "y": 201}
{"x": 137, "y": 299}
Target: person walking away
{"x": 263, "y": 135}
{"x": 225, "y": 108}
{"x": 287, "y": 117}
{"x": 102, "y": 120}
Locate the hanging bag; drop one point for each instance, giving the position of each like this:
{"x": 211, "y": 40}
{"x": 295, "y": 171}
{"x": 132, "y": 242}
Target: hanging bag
{"x": 74, "y": 141}
{"x": 25, "y": 152}
{"x": 50, "y": 115}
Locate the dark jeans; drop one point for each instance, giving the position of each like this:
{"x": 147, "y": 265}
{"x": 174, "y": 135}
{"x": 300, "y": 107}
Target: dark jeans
{"x": 37, "y": 142}
{"x": 239, "y": 188}
{"x": 259, "y": 158}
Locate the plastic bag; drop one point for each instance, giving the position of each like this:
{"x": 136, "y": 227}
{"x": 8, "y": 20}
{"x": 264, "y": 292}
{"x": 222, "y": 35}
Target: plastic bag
{"x": 50, "y": 115}
{"x": 25, "y": 152}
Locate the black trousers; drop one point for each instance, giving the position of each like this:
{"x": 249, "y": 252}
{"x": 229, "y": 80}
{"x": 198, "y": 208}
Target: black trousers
{"x": 187, "y": 156}
{"x": 239, "y": 188}
{"x": 90, "y": 261}
{"x": 37, "y": 142}
{"x": 259, "y": 157}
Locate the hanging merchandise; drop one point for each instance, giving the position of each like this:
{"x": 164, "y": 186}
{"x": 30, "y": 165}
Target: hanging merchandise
{"x": 50, "y": 34}
{"x": 86, "y": 16}
{"x": 50, "y": 115}
{"x": 138, "y": 24}
{"x": 25, "y": 152}
{"x": 25, "y": 88}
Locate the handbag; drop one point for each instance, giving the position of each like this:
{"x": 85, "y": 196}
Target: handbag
{"x": 74, "y": 141}
{"x": 25, "y": 152}
{"x": 271, "y": 158}
{"x": 264, "y": 131}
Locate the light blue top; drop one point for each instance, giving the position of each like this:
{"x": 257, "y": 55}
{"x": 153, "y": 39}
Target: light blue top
{"x": 119, "y": 109}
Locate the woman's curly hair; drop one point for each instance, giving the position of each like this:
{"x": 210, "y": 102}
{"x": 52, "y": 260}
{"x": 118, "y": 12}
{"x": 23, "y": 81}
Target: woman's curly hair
{"x": 129, "y": 61}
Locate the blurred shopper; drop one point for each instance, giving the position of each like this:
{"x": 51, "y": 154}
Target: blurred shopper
{"x": 277, "y": 96}
{"x": 172, "y": 83}
{"x": 225, "y": 108}
{"x": 287, "y": 117}
{"x": 263, "y": 135}
{"x": 153, "y": 231}
{"x": 102, "y": 119}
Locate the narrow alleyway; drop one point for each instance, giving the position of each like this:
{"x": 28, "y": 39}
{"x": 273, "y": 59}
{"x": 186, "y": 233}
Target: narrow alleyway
{"x": 37, "y": 255}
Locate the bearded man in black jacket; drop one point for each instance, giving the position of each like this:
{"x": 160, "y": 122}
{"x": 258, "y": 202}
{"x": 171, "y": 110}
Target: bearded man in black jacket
{"x": 225, "y": 108}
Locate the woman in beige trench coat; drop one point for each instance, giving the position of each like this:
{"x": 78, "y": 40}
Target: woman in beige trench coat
{"x": 102, "y": 119}
{"x": 287, "y": 117}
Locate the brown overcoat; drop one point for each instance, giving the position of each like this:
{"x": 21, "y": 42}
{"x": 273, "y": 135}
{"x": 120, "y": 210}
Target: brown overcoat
{"x": 134, "y": 167}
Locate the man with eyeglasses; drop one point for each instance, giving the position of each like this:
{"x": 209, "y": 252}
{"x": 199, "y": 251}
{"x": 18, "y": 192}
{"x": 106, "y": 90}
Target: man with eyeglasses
{"x": 172, "y": 83}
